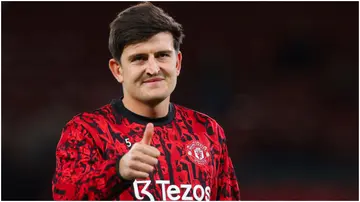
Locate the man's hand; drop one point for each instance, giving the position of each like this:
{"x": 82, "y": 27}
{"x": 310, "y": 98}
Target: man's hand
{"x": 140, "y": 160}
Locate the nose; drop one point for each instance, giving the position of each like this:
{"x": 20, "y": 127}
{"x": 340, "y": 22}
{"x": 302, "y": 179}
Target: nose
{"x": 152, "y": 67}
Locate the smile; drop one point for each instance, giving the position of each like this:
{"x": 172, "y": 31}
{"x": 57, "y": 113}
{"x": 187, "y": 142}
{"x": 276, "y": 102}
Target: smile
{"x": 153, "y": 80}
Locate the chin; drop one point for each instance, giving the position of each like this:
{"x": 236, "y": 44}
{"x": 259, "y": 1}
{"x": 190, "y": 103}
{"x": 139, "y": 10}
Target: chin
{"x": 155, "y": 99}
{"x": 154, "y": 96}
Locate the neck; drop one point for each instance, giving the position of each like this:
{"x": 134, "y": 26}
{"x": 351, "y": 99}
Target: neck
{"x": 158, "y": 110}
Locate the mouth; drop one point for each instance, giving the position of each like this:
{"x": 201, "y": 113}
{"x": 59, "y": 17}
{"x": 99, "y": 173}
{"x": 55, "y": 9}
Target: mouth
{"x": 153, "y": 80}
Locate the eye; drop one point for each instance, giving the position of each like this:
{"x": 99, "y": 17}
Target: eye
{"x": 162, "y": 55}
{"x": 138, "y": 58}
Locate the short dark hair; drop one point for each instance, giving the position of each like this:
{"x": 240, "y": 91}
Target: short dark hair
{"x": 139, "y": 23}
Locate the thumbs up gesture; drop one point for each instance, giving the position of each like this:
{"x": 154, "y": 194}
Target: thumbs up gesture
{"x": 140, "y": 160}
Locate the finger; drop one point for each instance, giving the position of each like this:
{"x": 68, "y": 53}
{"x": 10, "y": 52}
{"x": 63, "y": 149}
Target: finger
{"x": 138, "y": 174}
{"x": 148, "y": 150}
{"x": 140, "y": 166}
{"x": 145, "y": 159}
{"x": 148, "y": 134}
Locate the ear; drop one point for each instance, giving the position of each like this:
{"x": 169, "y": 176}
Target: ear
{"x": 178, "y": 63}
{"x": 116, "y": 70}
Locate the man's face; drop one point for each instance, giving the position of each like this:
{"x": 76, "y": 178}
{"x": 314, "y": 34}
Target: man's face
{"x": 148, "y": 70}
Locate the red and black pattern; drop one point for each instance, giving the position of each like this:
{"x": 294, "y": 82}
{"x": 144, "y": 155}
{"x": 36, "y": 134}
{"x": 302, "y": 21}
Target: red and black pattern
{"x": 193, "y": 165}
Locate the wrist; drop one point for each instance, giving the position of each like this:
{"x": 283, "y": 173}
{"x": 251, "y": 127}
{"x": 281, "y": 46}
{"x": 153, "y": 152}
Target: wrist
{"x": 118, "y": 171}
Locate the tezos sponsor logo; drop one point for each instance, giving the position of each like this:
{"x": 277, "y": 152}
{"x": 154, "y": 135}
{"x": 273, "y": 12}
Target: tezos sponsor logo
{"x": 172, "y": 192}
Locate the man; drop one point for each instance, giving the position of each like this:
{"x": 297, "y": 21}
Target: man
{"x": 142, "y": 146}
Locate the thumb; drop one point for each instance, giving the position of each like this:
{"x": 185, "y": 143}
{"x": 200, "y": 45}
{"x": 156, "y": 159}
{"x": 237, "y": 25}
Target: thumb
{"x": 148, "y": 134}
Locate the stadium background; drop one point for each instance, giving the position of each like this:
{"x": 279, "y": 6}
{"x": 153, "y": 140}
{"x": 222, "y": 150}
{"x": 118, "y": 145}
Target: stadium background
{"x": 281, "y": 78}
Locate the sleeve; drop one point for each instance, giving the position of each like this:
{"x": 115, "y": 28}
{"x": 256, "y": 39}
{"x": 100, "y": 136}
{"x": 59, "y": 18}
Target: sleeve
{"x": 228, "y": 187}
{"x": 81, "y": 173}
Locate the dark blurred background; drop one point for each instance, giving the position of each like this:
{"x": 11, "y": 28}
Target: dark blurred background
{"x": 280, "y": 77}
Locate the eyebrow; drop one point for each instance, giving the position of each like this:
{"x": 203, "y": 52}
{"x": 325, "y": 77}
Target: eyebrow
{"x": 164, "y": 51}
{"x": 131, "y": 57}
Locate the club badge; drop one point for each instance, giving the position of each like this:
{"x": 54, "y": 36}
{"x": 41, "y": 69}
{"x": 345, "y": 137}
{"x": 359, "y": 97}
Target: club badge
{"x": 198, "y": 153}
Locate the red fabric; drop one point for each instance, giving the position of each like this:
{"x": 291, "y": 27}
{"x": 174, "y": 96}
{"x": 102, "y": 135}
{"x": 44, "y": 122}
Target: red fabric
{"x": 92, "y": 143}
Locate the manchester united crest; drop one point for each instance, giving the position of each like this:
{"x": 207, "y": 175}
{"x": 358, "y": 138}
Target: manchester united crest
{"x": 198, "y": 153}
